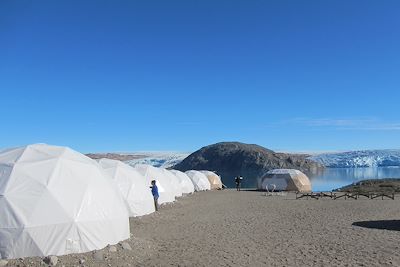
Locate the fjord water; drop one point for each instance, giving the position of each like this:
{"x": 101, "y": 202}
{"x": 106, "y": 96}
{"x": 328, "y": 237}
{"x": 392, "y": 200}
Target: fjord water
{"x": 332, "y": 178}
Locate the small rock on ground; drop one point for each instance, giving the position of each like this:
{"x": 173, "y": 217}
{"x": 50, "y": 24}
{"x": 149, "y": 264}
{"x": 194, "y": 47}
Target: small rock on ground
{"x": 112, "y": 249}
{"x": 126, "y": 246}
{"x": 51, "y": 260}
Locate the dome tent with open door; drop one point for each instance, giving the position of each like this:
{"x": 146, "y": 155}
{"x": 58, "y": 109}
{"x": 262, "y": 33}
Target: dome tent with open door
{"x": 166, "y": 190}
{"x": 132, "y": 185}
{"x": 285, "y": 180}
{"x": 214, "y": 179}
{"x": 55, "y": 201}
{"x": 200, "y": 181}
{"x": 184, "y": 181}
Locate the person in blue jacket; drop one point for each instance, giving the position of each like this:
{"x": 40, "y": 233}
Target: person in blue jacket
{"x": 154, "y": 191}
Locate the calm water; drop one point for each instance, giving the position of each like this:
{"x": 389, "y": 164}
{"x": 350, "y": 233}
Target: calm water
{"x": 332, "y": 178}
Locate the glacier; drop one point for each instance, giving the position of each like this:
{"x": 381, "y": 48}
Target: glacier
{"x": 349, "y": 159}
{"x": 359, "y": 159}
{"x": 157, "y": 159}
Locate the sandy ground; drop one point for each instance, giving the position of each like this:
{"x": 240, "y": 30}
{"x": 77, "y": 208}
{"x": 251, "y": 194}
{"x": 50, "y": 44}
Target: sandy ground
{"x": 229, "y": 228}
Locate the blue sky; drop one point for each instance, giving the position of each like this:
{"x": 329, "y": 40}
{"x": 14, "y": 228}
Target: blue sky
{"x": 178, "y": 75}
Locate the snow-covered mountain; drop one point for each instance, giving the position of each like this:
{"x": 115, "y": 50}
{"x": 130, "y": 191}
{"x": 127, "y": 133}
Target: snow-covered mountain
{"x": 363, "y": 158}
{"x": 157, "y": 159}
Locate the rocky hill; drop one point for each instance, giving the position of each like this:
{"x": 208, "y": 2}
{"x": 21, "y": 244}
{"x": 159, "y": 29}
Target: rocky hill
{"x": 230, "y": 159}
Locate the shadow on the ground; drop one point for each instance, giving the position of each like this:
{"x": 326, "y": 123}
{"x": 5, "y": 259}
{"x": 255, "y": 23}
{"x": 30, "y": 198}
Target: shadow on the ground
{"x": 257, "y": 190}
{"x": 393, "y": 225}
{"x": 249, "y": 189}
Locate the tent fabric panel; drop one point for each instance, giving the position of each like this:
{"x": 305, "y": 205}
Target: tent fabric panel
{"x": 47, "y": 206}
{"x": 40, "y": 171}
{"x": 73, "y": 155}
{"x": 40, "y": 152}
{"x": 22, "y": 198}
{"x": 214, "y": 179}
{"x": 101, "y": 200}
{"x": 132, "y": 185}
{"x": 165, "y": 189}
{"x": 173, "y": 181}
{"x": 199, "y": 180}
{"x": 10, "y": 217}
{"x": 50, "y": 238}
{"x": 185, "y": 182}
{"x": 11, "y": 156}
{"x": 17, "y": 243}
{"x": 98, "y": 234}
{"x": 5, "y": 174}
{"x": 63, "y": 185}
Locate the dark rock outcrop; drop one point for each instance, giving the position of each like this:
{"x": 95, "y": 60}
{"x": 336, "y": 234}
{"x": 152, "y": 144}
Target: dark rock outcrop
{"x": 230, "y": 159}
{"x": 385, "y": 186}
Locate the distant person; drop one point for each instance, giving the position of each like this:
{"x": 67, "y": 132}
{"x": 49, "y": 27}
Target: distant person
{"x": 238, "y": 182}
{"x": 154, "y": 192}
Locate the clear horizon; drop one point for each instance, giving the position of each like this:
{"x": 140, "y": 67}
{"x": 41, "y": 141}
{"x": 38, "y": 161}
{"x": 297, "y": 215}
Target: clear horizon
{"x": 160, "y": 152}
{"x": 101, "y": 76}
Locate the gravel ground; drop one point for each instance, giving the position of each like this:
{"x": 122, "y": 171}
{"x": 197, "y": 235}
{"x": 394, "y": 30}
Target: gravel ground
{"x": 229, "y": 228}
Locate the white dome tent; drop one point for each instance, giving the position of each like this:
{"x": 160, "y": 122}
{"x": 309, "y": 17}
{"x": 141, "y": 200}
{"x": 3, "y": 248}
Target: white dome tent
{"x": 214, "y": 179}
{"x": 184, "y": 181}
{"x": 174, "y": 182}
{"x": 200, "y": 181}
{"x": 55, "y": 201}
{"x": 165, "y": 189}
{"x": 285, "y": 180}
{"x": 132, "y": 185}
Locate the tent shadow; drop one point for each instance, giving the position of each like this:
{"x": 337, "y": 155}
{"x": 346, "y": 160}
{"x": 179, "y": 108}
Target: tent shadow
{"x": 392, "y": 225}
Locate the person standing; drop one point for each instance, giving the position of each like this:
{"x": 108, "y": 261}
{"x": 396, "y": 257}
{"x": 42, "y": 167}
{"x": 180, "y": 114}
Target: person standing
{"x": 238, "y": 182}
{"x": 154, "y": 192}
